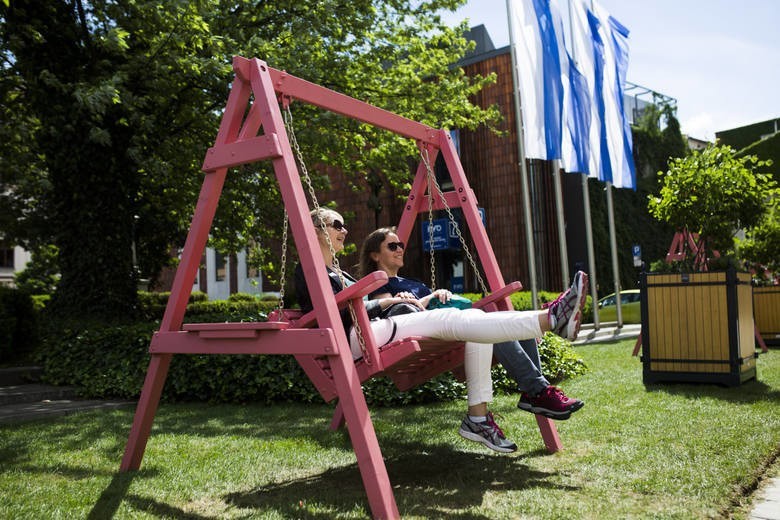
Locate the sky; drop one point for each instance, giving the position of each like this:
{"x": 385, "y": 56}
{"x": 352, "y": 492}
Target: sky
{"x": 720, "y": 59}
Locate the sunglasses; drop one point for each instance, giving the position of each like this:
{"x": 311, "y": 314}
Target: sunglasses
{"x": 393, "y": 246}
{"x": 337, "y": 225}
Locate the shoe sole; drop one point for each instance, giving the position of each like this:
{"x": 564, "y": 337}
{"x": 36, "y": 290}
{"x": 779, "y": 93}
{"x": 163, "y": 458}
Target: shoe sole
{"x": 550, "y": 414}
{"x": 573, "y": 327}
{"x": 479, "y": 438}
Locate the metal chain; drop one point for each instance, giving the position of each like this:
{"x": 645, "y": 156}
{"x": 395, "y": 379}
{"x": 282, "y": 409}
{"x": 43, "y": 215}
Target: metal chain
{"x": 430, "y": 225}
{"x": 288, "y": 123}
{"x": 283, "y": 269}
{"x": 426, "y": 160}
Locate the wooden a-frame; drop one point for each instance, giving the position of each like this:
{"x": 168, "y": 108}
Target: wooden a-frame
{"x": 239, "y": 142}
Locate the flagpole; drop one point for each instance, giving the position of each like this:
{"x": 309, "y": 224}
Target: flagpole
{"x": 588, "y": 221}
{"x": 594, "y": 294}
{"x": 561, "y": 226}
{"x": 613, "y": 247}
{"x": 523, "y": 169}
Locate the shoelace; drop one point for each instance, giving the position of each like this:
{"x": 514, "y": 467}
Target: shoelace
{"x": 492, "y": 423}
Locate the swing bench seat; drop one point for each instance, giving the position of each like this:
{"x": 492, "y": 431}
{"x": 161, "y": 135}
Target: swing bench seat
{"x": 408, "y": 362}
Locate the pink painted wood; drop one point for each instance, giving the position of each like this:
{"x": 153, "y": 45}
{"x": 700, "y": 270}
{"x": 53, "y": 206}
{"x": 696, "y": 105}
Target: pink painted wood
{"x": 317, "y": 339}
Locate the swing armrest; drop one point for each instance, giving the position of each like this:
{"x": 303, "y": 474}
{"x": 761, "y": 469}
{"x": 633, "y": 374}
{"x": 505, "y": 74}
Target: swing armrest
{"x": 490, "y": 302}
{"x": 354, "y": 292}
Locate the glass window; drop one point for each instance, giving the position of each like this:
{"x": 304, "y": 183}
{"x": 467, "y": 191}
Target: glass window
{"x": 6, "y": 257}
{"x": 220, "y": 266}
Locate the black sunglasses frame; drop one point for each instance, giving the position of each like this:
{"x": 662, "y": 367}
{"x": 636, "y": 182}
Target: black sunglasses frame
{"x": 393, "y": 246}
{"x": 337, "y": 225}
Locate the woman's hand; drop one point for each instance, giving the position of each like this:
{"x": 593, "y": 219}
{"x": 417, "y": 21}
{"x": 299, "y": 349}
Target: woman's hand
{"x": 443, "y": 295}
{"x": 405, "y": 297}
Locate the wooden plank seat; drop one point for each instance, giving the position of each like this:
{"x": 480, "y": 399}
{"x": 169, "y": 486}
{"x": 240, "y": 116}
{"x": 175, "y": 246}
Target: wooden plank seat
{"x": 407, "y": 361}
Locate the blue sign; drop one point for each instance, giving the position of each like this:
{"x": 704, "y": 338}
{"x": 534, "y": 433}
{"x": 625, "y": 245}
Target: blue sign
{"x": 636, "y": 252}
{"x": 440, "y": 234}
{"x": 445, "y": 235}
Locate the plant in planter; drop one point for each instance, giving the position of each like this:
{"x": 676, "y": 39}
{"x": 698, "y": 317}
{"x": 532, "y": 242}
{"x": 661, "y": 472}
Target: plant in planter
{"x": 761, "y": 251}
{"x": 711, "y": 195}
{"x": 698, "y": 326}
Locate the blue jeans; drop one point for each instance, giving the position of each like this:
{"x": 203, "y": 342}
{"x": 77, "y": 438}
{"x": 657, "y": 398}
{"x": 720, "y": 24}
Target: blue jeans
{"x": 522, "y": 363}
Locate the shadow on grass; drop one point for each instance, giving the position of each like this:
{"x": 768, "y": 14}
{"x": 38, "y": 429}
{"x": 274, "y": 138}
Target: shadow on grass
{"x": 748, "y": 392}
{"x": 433, "y": 482}
{"x": 112, "y": 497}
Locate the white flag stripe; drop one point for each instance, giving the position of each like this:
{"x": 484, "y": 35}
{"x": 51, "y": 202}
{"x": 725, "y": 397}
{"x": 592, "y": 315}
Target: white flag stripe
{"x": 537, "y": 35}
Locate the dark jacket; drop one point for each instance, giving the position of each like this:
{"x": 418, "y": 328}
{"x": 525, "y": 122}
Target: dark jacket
{"x": 304, "y": 299}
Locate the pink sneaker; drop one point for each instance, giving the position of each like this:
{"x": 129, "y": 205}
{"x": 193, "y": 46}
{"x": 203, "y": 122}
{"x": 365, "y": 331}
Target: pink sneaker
{"x": 551, "y": 402}
{"x": 565, "y": 313}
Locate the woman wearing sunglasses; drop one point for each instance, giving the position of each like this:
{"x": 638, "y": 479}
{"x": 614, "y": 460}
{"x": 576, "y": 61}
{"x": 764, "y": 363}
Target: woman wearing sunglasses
{"x": 383, "y": 251}
{"x": 478, "y": 329}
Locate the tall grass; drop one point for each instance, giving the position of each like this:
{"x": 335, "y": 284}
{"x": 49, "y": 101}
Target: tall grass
{"x": 665, "y": 451}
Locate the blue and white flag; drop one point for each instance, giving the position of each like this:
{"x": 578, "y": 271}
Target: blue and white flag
{"x": 599, "y": 50}
{"x": 537, "y": 35}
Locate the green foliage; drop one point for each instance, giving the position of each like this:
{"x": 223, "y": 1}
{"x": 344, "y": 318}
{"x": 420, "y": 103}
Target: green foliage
{"x": 761, "y": 246}
{"x": 714, "y": 194}
{"x": 107, "y": 109}
{"x": 657, "y": 139}
{"x": 559, "y": 359}
{"x": 109, "y": 360}
{"x": 19, "y": 333}
{"x": 559, "y": 362}
{"x": 41, "y": 274}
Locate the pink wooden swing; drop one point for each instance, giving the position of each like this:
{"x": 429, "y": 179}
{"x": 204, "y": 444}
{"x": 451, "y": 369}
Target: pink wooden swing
{"x": 316, "y": 339}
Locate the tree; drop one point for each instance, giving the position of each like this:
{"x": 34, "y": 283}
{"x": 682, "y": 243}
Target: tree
{"x": 713, "y": 194}
{"x": 109, "y": 106}
{"x": 761, "y": 246}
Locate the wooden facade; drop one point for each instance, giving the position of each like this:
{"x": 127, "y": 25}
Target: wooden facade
{"x": 492, "y": 167}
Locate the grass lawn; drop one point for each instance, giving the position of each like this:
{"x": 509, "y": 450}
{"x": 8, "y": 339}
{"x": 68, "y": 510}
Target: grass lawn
{"x": 666, "y": 451}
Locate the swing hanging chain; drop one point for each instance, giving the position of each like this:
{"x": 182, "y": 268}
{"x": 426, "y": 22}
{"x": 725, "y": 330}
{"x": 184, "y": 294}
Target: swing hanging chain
{"x": 432, "y": 179}
{"x": 283, "y": 269}
{"x": 288, "y": 123}
{"x": 430, "y": 227}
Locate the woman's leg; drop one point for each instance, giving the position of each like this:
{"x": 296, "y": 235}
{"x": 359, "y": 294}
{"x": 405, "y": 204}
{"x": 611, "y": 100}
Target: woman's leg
{"x": 471, "y": 325}
{"x": 477, "y": 360}
{"x": 521, "y": 361}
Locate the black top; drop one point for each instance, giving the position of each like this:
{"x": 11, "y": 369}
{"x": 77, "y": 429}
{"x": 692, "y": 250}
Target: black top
{"x": 304, "y": 298}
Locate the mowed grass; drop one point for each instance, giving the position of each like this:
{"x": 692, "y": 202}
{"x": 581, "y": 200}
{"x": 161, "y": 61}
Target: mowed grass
{"x": 664, "y": 451}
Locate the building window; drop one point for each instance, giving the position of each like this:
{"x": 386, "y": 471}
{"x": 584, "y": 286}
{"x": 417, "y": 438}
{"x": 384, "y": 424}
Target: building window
{"x": 220, "y": 266}
{"x": 6, "y": 257}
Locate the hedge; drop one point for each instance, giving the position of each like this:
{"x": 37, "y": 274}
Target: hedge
{"x": 19, "y": 334}
{"x": 105, "y": 360}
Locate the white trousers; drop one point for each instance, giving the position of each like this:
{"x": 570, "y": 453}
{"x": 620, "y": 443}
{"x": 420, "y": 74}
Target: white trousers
{"x": 478, "y": 329}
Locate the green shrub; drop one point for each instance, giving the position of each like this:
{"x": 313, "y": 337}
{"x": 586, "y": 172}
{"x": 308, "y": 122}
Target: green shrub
{"x": 559, "y": 362}
{"x": 111, "y": 360}
{"x": 19, "y": 332}
{"x": 242, "y": 297}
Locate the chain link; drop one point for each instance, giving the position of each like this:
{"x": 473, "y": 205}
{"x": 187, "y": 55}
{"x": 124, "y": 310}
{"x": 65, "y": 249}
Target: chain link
{"x": 288, "y": 123}
{"x": 283, "y": 269}
{"x": 432, "y": 179}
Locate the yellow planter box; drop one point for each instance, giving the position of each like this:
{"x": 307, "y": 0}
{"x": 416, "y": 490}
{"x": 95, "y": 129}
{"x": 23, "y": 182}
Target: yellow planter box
{"x": 766, "y": 312}
{"x": 698, "y": 327}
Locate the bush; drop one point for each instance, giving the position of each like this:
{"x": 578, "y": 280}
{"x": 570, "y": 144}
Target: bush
{"x": 559, "y": 362}
{"x": 19, "y": 332}
{"x": 111, "y": 360}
